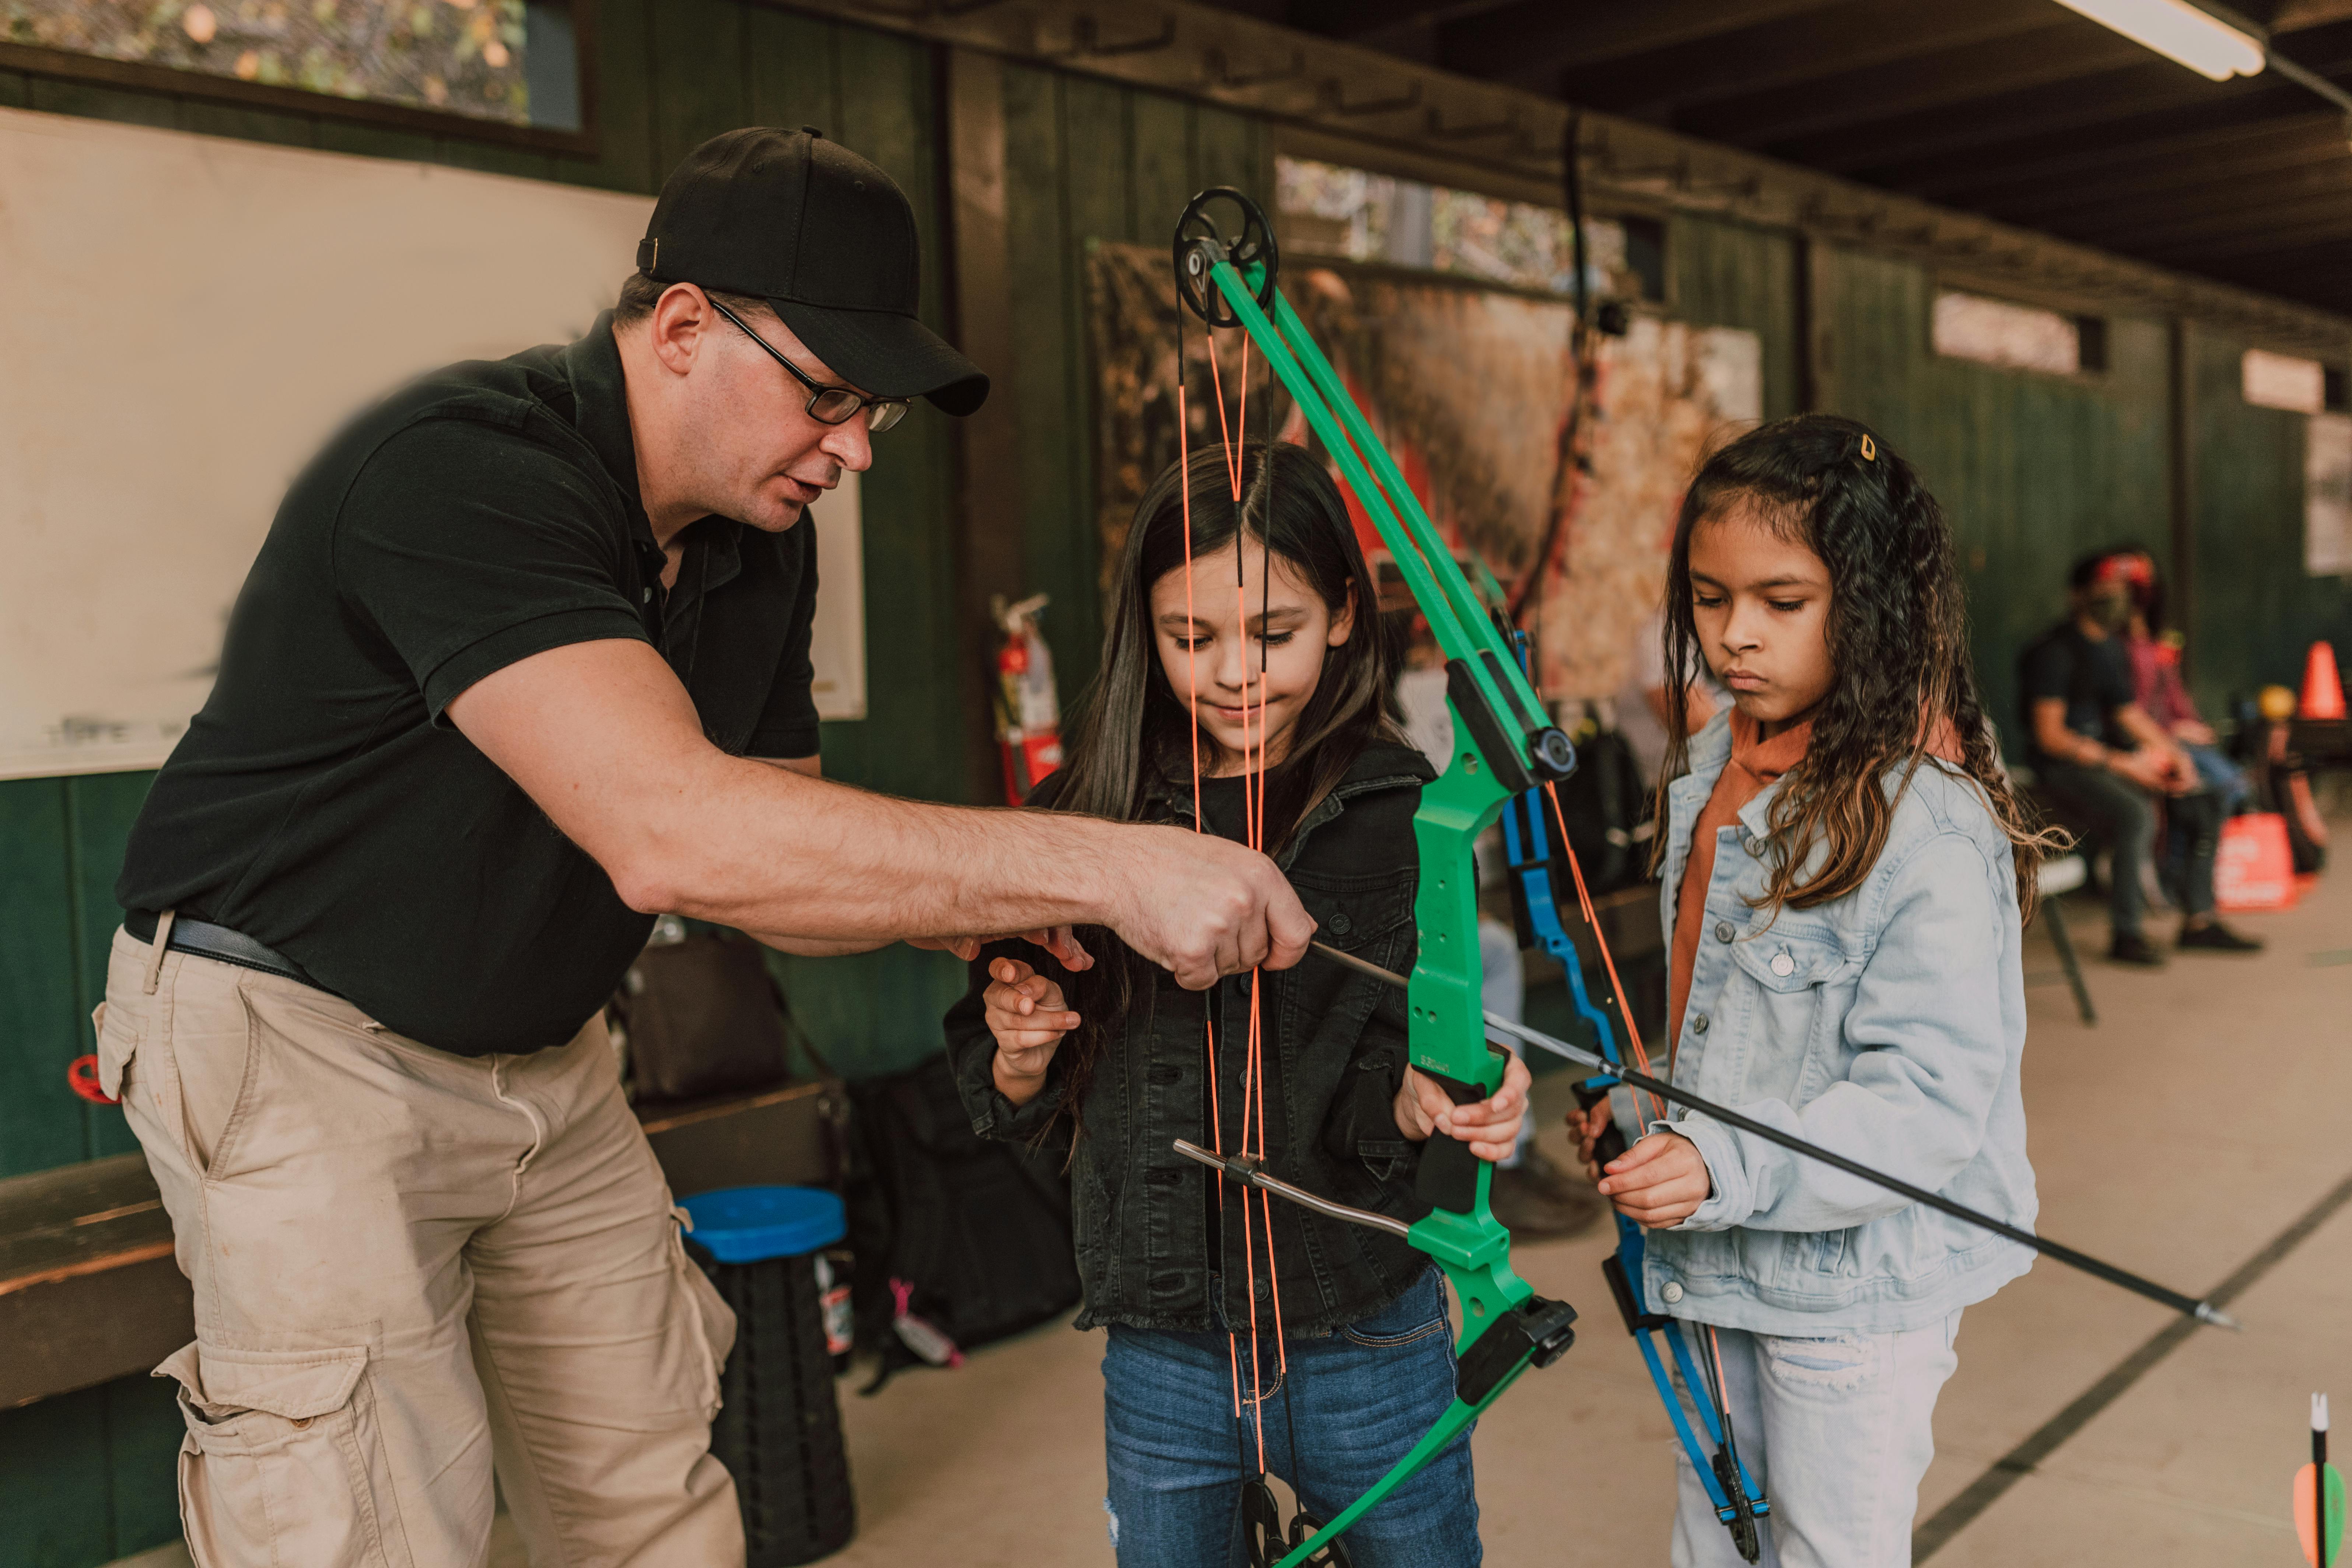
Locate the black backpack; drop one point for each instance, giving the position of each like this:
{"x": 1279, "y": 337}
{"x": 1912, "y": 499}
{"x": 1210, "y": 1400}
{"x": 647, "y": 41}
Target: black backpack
{"x": 1608, "y": 811}
{"x": 971, "y": 1235}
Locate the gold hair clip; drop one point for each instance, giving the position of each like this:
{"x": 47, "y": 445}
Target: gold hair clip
{"x": 1869, "y": 447}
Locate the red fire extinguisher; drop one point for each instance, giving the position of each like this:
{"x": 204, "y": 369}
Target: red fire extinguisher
{"x": 1028, "y": 714}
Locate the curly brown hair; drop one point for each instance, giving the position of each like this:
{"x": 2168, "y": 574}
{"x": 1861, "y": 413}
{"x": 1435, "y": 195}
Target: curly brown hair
{"x": 1898, "y": 638}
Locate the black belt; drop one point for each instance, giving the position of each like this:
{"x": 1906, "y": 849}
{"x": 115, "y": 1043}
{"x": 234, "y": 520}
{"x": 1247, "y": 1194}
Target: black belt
{"x": 208, "y": 941}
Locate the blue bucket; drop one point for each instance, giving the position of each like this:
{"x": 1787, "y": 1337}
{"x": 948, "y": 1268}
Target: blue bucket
{"x": 751, "y": 1225}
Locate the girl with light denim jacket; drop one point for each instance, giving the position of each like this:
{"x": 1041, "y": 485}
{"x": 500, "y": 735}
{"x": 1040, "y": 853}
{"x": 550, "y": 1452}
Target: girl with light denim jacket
{"x": 1844, "y": 868}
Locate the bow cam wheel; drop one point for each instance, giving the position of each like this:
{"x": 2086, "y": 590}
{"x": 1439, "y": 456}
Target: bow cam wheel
{"x": 1203, "y": 240}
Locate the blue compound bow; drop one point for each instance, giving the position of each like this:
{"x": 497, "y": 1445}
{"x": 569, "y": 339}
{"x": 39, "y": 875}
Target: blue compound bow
{"x": 1537, "y": 892}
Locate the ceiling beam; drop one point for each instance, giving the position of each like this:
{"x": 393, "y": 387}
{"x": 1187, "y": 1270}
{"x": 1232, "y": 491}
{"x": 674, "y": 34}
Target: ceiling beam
{"x": 2317, "y": 274}
{"x": 2059, "y": 52}
{"x": 1533, "y": 39}
{"x": 2089, "y": 205}
{"x": 1846, "y": 37}
{"x": 1365, "y": 19}
{"x": 2123, "y": 151}
{"x": 2335, "y": 226}
{"x": 1993, "y": 124}
{"x": 2297, "y": 14}
{"x": 2258, "y": 209}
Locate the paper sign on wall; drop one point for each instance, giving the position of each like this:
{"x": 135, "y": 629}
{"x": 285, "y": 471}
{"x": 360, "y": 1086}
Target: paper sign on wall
{"x": 200, "y": 314}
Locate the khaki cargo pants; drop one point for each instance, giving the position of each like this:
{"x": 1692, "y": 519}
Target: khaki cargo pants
{"x": 407, "y": 1262}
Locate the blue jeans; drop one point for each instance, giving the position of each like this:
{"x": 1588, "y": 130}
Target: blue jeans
{"x": 1363, "y": 1396}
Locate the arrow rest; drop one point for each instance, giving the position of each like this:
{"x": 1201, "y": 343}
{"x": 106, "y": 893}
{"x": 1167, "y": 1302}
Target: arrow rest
{"x": 1201, "y": 243}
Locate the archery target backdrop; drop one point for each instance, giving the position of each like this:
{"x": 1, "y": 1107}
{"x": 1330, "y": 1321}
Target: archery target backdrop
{"x": 1468, "y": 386}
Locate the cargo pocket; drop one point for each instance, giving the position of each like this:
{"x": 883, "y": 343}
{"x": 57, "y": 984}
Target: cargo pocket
{"x": 116, "y": 1045}
{"x": 710, "y": 1322}
{"x": 282, "y": 1462}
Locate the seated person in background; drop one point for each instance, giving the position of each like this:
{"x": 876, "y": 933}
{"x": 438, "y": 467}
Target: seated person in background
{"x": 2102, "y": 758}
{"x": 2163, "y": 696}
{"x": 2158, "y": 687}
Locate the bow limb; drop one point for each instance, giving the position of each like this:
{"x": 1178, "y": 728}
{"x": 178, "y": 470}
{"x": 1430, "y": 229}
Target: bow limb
{"x": 1503, "y": 744}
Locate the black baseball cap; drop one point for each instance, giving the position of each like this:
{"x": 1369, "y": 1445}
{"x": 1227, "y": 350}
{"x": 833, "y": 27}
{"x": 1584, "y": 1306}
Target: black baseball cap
{"x": 827, "y": 239}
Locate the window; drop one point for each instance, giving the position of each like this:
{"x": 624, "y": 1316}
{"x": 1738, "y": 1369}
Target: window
{"x": 2018, "y": 337}
{"x": 2282, "y": 381}
{"x": 512, "y": 63}
{"x": 1332, "y": 210}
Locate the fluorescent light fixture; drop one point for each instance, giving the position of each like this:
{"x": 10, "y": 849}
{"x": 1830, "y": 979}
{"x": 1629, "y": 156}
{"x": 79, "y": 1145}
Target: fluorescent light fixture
{"x": 2174, "y": 28}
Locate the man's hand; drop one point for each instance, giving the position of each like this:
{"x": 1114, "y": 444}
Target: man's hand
{"x": 1200, "y": 906}
{"x": 1660, "y": 1181}
{"x": 2195, "y": 732}
{"x": 1490, "y": 1126}
{"x": 2149, "y": 767}
{"x": 1026, "y": 1013}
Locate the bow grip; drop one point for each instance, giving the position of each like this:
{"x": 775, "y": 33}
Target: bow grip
{"x": 1449, "y": 1171}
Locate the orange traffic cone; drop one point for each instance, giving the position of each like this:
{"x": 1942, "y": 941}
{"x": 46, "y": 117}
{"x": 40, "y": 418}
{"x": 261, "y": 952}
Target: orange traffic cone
{"x": 2322, "y": 693}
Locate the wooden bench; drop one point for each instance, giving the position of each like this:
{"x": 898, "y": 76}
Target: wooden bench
{"x": 89, "y": 1291}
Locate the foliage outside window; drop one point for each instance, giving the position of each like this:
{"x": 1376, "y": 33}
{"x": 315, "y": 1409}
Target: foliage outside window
{"x": 1333, "y": 210}
{"x": 456, "y": 57}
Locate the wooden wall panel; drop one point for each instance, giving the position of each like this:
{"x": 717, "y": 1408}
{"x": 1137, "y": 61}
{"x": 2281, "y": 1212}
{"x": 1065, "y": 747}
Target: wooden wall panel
{"x": 790, "y": 68}
{"x": 56, "y": 1496}
{"x": 700, "y": 69}
{"x": 100, "y": 808}
{"x": 40, "y": 1121}
{"x": 2250, "y": 627}
{"x": 1726, "y": 274}
{"x": 2032, "y": 469}
{"x": 1046, "y": 379}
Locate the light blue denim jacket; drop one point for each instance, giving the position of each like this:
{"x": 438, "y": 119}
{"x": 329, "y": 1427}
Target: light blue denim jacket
{"x": 1887, "y": 1026}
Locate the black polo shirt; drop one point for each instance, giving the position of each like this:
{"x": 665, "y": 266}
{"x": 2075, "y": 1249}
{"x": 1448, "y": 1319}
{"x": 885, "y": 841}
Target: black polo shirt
{"x": 321, "y": 802}
{"x": 2091, "y": 676}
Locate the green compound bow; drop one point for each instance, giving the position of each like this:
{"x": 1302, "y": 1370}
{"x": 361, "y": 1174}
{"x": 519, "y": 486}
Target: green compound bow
{"x": 1504, "y": 744}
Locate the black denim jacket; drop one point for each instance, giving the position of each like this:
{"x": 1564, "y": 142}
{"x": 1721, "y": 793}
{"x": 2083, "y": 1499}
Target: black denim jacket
{"x": 1333, "y": 1043}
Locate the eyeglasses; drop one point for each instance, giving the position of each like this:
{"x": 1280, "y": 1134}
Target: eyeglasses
{"x": 828, "y": 405}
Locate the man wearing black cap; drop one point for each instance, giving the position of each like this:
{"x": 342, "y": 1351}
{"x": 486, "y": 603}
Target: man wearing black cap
{"x": 523, "y": 660}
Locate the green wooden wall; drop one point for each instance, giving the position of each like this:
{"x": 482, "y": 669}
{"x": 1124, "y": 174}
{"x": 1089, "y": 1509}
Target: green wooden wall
{"x": 2249, "y": 627}
{"x": 2032, "y": 469}
{"x": 1727, "y": 273}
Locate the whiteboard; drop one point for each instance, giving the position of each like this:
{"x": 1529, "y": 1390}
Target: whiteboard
{"x": 189, "y": 319}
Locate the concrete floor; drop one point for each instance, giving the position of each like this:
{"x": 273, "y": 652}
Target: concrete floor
{"x": 2208, "y": 1112}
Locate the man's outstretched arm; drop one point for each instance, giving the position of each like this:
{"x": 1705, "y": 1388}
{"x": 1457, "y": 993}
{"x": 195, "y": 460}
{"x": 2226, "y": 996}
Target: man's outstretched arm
{"x": 604, "y": 738}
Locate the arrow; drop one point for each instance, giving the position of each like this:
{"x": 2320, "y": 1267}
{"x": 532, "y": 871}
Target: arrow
{"x": 2319, "y": 1496}
{"x": 2204, "y": 1312}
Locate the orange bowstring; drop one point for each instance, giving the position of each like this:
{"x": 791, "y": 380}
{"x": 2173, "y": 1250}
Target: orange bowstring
{"x": 1192, "y": 712}
{"x": 1584, "y": 903}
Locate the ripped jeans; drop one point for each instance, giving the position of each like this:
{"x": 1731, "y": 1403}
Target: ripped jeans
{"x": 1837, "y": 1430}
{"x": 1363, "y": 1397}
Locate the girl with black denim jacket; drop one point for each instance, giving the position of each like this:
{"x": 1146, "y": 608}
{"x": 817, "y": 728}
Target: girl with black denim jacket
{"x": 1290, "y": 745}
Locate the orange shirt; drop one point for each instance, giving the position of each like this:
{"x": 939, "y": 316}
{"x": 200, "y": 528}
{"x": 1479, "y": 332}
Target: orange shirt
{"x": 1755, "y": 762}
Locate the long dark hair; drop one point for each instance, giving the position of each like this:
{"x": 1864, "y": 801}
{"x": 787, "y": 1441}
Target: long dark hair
{"x": 1898, "y": 639}
{"x": 1132, "y": 737}
{"x": 1132, "y": 727}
